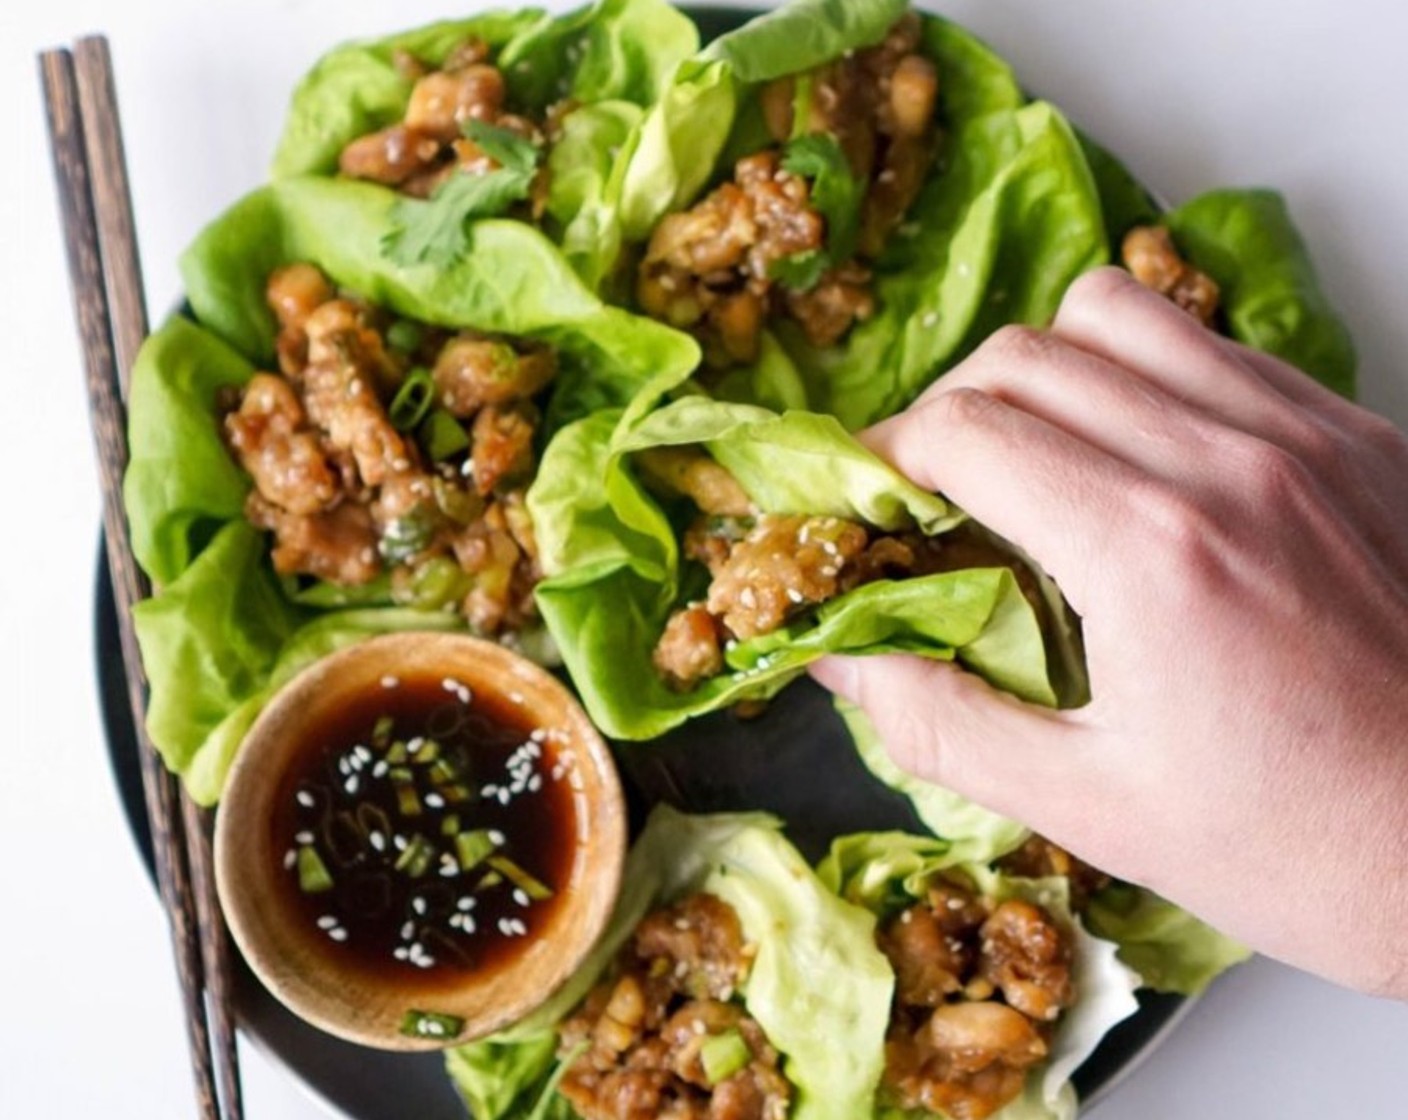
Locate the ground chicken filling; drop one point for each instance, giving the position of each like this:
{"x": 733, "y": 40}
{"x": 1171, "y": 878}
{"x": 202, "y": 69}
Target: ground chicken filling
{"x": 713, "y": 270}
{"x": 385, "y": 447}
{"x": 979, "y": 986}
{"x": 768, "y": 569}
{"x": 1039, "y": 858}
{"x": 665, "y": 1036}
{"x": 417, "y": 155}
{"x": 1152, "y": 258}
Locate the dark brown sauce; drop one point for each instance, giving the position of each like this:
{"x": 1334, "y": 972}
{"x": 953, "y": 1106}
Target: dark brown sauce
{"x": 439, "y": 823}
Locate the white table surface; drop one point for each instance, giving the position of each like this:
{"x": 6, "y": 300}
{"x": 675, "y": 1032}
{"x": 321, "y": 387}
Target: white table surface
{"x": 1306, "y": 95}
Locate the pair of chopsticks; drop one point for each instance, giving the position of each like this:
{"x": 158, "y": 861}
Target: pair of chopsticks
{"x": 105, "y": 274}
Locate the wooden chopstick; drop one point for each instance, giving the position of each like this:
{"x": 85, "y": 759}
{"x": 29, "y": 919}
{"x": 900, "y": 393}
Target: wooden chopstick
{"x": 101, "y": 242}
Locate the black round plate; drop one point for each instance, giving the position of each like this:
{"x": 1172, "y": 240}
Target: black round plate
{"x": 795, "y": 760}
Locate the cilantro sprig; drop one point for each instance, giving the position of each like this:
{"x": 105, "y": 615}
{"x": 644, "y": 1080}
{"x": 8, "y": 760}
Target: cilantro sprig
{"x": 837, "y": 195}
{"x": 436, "y": 231}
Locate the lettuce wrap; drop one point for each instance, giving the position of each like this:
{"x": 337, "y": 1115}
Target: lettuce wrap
{"x": 608, "y": 62}
{"x": 615, "y": 571}
{"x": 831, "y": 1034}
{"x": 1007, "y": 218}
{"x": 886, "y": 873}
{"x": 224, "y": 629}
{"x": 1171, "y": 950}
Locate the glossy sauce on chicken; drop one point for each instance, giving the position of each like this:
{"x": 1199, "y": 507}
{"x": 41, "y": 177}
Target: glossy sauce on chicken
{"x": 387, "y": 448}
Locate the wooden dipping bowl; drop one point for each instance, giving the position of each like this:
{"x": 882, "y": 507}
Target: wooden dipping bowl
{"x": 297, "y": 963}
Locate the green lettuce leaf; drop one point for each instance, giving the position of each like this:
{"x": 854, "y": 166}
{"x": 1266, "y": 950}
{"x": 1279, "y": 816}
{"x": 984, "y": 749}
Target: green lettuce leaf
{"x": 1246, "y": 241}
{"x": 1170, "y": 949}
{"x": 831, "y": 1034}
{"x": 181, "y": 483}
{"x": 612, "y": 558}
{"x": 614, "y": 49}
{"x": 885, "y": 872}
{"x": 1008, "y": 219}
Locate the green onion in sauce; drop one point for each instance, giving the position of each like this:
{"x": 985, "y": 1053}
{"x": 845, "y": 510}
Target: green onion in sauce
{"x": 428, "y": 829}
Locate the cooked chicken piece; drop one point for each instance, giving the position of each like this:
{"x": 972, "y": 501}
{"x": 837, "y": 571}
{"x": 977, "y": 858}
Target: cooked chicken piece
{"x": 702, "y": 939}
{"x": 931, "y": 961}
{"x": 346, "y": 358}
{"x": 472, "y": 372}
{"x": 785, "y": 564}
{"x": 339, "y": 546}
{"x": 967, "y": 1062}
{"x": 1152, "y": 258}
{"x": 443, "y": 101}
{"x": 829, "y": 311}
{"x": 689, "y": 651}
{"x": 502, "y": 445}
{"x": 697, "y": 476}
{"x": 270, "y": 437}
{"x": 391, "y": 156}
{"x": 1038, "y": 857}
{"x": 1028, "y": 957}
{"x": 293, "y": 293}
{"x": 488, "y": 551}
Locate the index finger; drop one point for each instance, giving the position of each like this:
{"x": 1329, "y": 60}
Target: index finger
{"x": 1035, "y": 484}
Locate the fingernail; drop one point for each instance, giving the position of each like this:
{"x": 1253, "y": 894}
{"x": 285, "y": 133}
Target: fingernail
{"x": 839, "y": 674}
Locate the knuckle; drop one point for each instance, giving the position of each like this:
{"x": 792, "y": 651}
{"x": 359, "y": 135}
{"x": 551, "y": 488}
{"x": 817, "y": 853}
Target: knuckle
{"x": 1269, "y": 472}
{"x": 1382, "y": 436}
{"x": 1093, "y": 291}
{"x": 963, "y": 407}
{"x": 1186, "y": 533}
{"x": 1016, "y": 344}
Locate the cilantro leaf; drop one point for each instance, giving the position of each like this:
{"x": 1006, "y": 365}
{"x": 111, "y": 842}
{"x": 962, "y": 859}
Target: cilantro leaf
{"x": 801, "y": 272}
{"x": 836, "y": 192}
{"x": 436, "y": 232}
{"x": 505, "y": 147}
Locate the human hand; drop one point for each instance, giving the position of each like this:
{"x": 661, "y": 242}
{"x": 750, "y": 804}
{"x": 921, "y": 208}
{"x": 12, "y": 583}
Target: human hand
{"x": 1235, "y": 539}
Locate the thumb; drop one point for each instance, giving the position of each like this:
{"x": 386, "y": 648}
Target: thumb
{"x": 948, "y": 726}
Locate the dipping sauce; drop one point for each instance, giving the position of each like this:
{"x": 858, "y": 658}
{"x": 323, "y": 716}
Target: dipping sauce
{"x": 427, "y": 831}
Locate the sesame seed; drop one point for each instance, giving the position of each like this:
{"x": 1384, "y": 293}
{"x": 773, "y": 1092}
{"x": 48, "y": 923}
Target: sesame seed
{"x": 747, "y": 598}
{"x": 496, "y": 837}
{"x": 520, "y": 896}
{"x": 305, "y": 799}
{"x": 418, "y": 905}
{"x": 516, "y": 697}
{"x": 381, "y": 768}
{"x": 399, "y": 842}
{"x": 327, "y": 921}
{"x": 930, "y": 321}
{"x": 400, "y": 953}
{"x": 434, "y": 800}
{"x": 304, "y": 837}
{"x": 415, "y": 745}
{"x": 794, "y": 595}
{"x": 466, "y": 904}
{"x": 537, "y": 735}
{"x": 389, "y": 681}
{"x": 535, "y": 783}
{"x": 408, "y": 931}
{"x": 290, "y": 859}
{"x": 503, "y": 797}
{"x": 338, "y": 934}
{"x": 364, "y": 755}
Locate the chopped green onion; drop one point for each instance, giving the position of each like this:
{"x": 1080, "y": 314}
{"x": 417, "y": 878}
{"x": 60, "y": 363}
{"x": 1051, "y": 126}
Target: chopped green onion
{"x": 413, "y": 400}
{"x": 313, "y": 874}
{"x": 455, "y": 794}
{"x": 431, "y": 1024}
{"x": 444, "y": 772}
{"x": 402, "y": 538}
{"x": 405, "y": 336}
{"x": 429, "y": 752}
{"x": 381, "y": 732}
{"x": 535, "y": 889}
{"x": 407, "y": 799}
{"x": 723, "y": 1055}
{"x": 415, "y": 860}
{"x": 472, "y": 847}
{"x": 450, "y": 826}
{"x": 434, "y": 584}
{"x": 458, "y": 504}
{"x": 397, "y": 754}
{"x": 442, "y": 436}
{"x": 802, "y": 106}
{"x": 491, "y": 879}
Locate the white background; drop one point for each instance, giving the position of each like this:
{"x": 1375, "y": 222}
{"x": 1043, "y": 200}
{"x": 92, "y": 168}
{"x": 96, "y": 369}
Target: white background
{"x": 1306, "y": 95}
